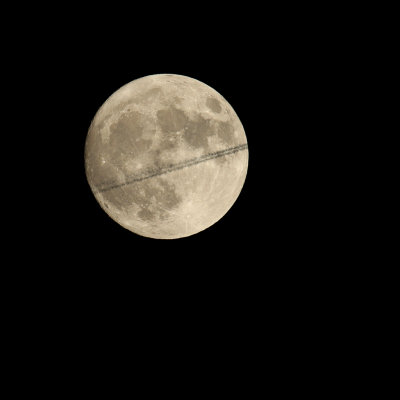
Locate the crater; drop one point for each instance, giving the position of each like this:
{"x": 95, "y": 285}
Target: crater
{"x": 157, "y": 199}
{"x": 214, "y": 105}
{"x": 166, "y": 195}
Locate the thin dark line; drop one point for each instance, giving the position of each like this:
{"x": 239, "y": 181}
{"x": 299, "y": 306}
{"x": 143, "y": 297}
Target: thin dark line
{"x": 174, "y": 167}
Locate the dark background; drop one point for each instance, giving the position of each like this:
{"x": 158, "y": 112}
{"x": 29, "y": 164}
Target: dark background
{"x": 277, "y": 69}
{"x": 270, "y": 68}
{"x": 90, "y": 68}
{"x": 264, "y": 283}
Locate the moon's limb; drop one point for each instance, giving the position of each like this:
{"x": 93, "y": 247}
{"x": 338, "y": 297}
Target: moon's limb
{"x": 166, "y": 156}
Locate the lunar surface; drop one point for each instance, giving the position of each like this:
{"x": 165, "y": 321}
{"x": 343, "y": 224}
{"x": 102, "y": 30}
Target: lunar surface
{"x": 166, "y": 156}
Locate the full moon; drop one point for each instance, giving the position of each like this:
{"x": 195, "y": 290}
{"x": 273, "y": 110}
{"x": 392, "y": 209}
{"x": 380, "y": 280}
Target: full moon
{"x": 166, "y": 156}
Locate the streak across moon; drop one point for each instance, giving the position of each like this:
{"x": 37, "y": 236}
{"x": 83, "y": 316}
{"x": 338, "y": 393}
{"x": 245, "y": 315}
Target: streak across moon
{"x": 169, "y": 168}
{"x": 166, "y": 156}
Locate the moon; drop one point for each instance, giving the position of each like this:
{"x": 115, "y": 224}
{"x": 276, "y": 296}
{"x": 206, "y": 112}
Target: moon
{"x": 166, "y": 156}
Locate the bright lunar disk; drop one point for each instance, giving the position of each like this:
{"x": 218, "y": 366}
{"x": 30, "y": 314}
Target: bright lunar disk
{"x": 166, "y": 156}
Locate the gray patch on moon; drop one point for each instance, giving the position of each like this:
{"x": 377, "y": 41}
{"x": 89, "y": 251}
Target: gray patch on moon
{"x": 213, "y": 105}
{"x": 171, "y": 119}
{"x": 154, "y": 199}
{"x": 226, "y": 132}
{"x": 155, "y": 156}
{"x": 169, "y": 142}
{"x": 119, "y": 199}
{"x": 126, "y": 138}
{"x": 128, "y": 126}
{"x": 196, "y": 132}
{"x": 146, "y": 215}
